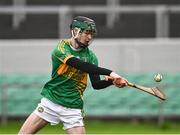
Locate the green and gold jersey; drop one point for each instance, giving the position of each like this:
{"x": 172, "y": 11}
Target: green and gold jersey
{"x": 67, "y": 84}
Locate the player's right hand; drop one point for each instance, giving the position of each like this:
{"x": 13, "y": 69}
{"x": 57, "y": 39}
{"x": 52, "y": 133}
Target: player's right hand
{"x": 118, "y": 80}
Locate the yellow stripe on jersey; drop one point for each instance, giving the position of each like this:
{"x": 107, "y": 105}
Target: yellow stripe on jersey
{"x": 81, "y": 87}
{"x": 62, "y": 69}
{"x": 67, "y": 58}
{"x": 84, "y": 80}
{"x": 73, "y": 73}
{"x": 61, "y": 46}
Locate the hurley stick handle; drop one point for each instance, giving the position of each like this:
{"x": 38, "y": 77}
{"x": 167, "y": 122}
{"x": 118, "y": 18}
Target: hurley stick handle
{"x": 131, "y": 84}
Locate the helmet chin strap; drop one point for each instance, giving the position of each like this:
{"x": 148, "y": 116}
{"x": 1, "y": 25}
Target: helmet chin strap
{"x": 75, "y": 38}
{"x": 81, "y": 44}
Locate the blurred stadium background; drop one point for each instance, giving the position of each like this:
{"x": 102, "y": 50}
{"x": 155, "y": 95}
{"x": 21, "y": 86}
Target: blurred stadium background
{"x": 136, "y": 38}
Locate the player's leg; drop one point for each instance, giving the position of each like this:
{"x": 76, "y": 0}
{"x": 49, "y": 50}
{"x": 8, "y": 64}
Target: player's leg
{"x": 32, "y": 125}
{"x": 76, "y": 130}
{"x": 41, "y": 116}
{"x": 72, "y": 120}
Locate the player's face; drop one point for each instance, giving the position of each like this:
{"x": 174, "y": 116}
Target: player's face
{"x": 86, "y": 37}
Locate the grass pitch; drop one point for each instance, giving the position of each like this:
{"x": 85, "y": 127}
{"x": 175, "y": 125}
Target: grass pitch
{"x": 103, "y": 127}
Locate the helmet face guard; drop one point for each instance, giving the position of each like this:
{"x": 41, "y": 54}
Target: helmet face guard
{"x": 83, "y": 24}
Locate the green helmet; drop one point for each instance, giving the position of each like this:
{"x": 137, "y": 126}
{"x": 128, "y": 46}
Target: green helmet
{"x": 84, "y": 24}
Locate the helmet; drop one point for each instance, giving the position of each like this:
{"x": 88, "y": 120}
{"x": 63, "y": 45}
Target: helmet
{"x": 83, "y": 23}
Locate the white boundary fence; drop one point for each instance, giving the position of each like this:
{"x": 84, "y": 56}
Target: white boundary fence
{"x": 129, "y": 55}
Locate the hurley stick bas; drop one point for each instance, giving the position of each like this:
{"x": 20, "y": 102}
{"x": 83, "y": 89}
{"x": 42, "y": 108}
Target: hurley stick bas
{"x": 155, "y": 91}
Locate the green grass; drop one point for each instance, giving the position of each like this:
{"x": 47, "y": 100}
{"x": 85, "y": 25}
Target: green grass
{"x": 104, "y": 127}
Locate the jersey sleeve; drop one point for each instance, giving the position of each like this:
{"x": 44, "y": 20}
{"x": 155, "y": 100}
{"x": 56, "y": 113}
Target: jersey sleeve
{"x": 62, "y": 52}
